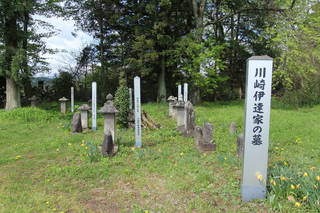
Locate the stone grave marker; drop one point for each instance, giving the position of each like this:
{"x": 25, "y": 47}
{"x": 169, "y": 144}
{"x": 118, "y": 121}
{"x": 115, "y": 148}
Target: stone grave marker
{"x": 108, "y": 148}
{"x": 232, "y": 128}
{"x": 180, "y": 114}
{"x": 76, "y": 126}
{"x": 137, "y": 112}
{"x": 72, "y": 99}
{"x": 203, "y": 138}
{"x": 185, "y": 92}
{"x": 94, "y": 106}
{"x": 171, "y": 100}
{"x": 109, "y": 111}
{"x": 84, "y": 111}
{"x": 257, "y": 120}
{"x": 63, "y": 105}
{"x": 180, "y": 97}
{"x": 33, "y": 101}
{"x": 189, "y": 119}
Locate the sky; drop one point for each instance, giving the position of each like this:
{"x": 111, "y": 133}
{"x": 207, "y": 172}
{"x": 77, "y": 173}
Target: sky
{"x": 64, "y": 42}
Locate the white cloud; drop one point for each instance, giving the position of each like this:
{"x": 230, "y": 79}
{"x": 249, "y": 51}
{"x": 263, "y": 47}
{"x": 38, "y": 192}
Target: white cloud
{"x": 63, "y": 41}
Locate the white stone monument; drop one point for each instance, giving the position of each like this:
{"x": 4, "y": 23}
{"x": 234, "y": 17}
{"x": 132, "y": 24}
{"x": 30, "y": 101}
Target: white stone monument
{"x": 137, "y": 111}
{"x": 130, "y": 98}
{"x": 72, "y": 99}
{"x": 94, "y": 106}
{"x": 185, "y": 92}
{"x": 257, "y": 120}
{"x": 180, "y": 97}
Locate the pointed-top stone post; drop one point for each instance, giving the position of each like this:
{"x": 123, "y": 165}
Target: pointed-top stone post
{"x": 84, "y": 110}
{"x": 109, "y": 111}
{"x": 63, "y": 105}
{"x": 257, "y": 121}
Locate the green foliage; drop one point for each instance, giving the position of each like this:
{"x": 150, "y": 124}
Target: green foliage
{"x": 61, "y": 85}
{"x": 28, "y": 114}
{"x": 121, "y": 102}
{"x": 93, "y": 152}
{"x": 299, "y": 187}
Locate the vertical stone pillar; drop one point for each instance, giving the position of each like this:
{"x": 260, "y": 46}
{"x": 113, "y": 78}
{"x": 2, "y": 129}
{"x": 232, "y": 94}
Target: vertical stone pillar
{"x": 63, "y": 105}
{"x": 257, "y": 122}
{"x": 94, "y": 106}
{"x": 185, "y": 92}
{"x": 180, "y": 113}
{"x": 137, "y": 112}
{"x": 171, "y": 100}
{"x": 109, "y": 111}
{"x": 180, "y": 97}
{"x": 72, "y": 99}
{"x": 84, "y": 110}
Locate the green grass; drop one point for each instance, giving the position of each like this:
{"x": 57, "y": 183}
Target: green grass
{"x": 44, "y": 168}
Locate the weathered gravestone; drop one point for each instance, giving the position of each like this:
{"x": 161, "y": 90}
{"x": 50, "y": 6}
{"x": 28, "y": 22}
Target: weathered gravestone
{"x": 171, "y": 101}
{"x": 109, "y": 111}
{"x": 189, "y": 119}
{"x": 240, "y": 145}
{"x": 108, "y": 148}
{"x": 94, "y": 106}
{"x": 84, "y": 110}
{"x": 180, "y": 96}
{"x": 63, "y": 105}
{"x": 257, "y": 120}
{"x": 179, "y": 114}
{"x": 185, "y": 92}
{"x": 232, "y": 128}
{"x": 76, "y": 123}
{"x": 137, "y": 112}
{"x": 33, "y": 101}
{"x": 203, "y": 138}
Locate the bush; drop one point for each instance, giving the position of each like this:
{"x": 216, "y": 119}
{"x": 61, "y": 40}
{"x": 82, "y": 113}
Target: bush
{"x": 122, "y": 104}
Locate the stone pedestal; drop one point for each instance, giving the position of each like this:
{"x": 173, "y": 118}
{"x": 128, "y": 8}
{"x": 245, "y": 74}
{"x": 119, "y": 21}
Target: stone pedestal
{"x": 180, "y": 114}
{"x": 63, "y": 105}
{"x": 84, "y": 110}
{"x": 33, "y": 101}
{"x": 109, "y": 112}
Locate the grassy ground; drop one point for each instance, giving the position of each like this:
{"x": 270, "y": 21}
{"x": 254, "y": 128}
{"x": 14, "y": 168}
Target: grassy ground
{"x": 44, "y": 168}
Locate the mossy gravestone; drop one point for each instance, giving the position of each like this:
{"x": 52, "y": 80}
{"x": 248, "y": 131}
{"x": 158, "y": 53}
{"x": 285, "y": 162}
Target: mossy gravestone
{"x": 204, "y": 139}
{"x": 76, "y": 126}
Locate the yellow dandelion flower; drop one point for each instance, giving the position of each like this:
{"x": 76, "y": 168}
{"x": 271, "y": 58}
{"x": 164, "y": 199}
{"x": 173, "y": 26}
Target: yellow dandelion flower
{"x": 259, "y": 176}
{"x": 276, "y": 148}
{"x": 47, "y": 202}
{"x": 283, "y": 178}
{"x": 133, "y": 148}
{"x": 312, "y": 168}
{"x": 86, "y": 147}
{"x": 305, "y": 174}
{"x": 282, "y": 149}
{"x": 297, "y": 204}
{"x": 305, "y": 198}
{"x": 181, "y": 153}
{"x": 225, "y": 158}
{"x": 69, "y": 144}
{"x": 273, "y": 182}
{"x": 82, "y": 144}
{"x": 292, "y": 187}
{"x": 285, "y": 163}
{"x": 318, "y": 178}
{"x": 58, "y": 150}
{"x": 18, "y": 156}
{"x": 146, "y": 211}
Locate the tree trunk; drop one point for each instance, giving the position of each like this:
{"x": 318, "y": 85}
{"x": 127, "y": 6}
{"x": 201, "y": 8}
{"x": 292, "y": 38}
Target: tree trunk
{"x": 12, "y": 95}
{"x": 162, "y": 92}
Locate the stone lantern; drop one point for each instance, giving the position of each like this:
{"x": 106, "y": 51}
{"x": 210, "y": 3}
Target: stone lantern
{"x": 33, "y": 101}
{"x": 171, "y": 101}
{"x": 180, "y": 115}
{"x": 63, "y": 105}
{"x": 84, "y": 109}
{"x": 109, "y": 111}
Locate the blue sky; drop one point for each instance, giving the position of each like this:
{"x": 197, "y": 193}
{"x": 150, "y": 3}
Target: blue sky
{"x": 64, "y": 41}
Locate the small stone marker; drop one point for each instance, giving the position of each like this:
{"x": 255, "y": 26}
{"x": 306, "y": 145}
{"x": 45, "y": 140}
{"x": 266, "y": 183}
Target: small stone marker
{"x": 76, "y": 123}
{"x": 108, "y": 148}
{"x": 84, "y": 110}
{"x": 180, "y": 97}
{"x": 137, "y": 112}
{"x": 63, "y": 105}
{"x": 130, "y": 98}
{"x": 189, "y": 119}
{"x": 33, "y": 101}
{"x": 180, "y": 114}
{"x": 257, "y": 120}
{"x": 72, "y": 99}
{"x": 240, "y": 145}
{"x": 203, "y": 138}
{"x": 109, "y": 111}
{"x": 171, "y": 100}
{"x": 232, "y": 128}
{"x": 185, "y": 92}
{"x": 94, "y": 106}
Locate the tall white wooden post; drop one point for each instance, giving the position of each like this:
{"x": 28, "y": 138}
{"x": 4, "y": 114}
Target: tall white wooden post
{"x": 180, "y": 98}
{"x": 257, "y": 120}
{"x": 137, "y": 111}
{"x": 130, "y": 98}
{"x": 94, "y": 106}
{"x": 185, "y": 92}
{"x": 72, "y": 99}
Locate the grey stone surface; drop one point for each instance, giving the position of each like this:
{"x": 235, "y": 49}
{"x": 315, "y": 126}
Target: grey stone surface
{"x": 107, "y": 148}
{"x": 84, "y": 110}
{"x": 33, "y": 101}
{"x": 179, "y": 115}
{"x": 171, "y": 101}
{"x": 232, "y": 128}
{"x": 76, "y": 123}
{"x": 189, "y": 119}
{"x": 203, "y": 138}
{"x": 63, "y": 105}
{"x": 240, "y": 145}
